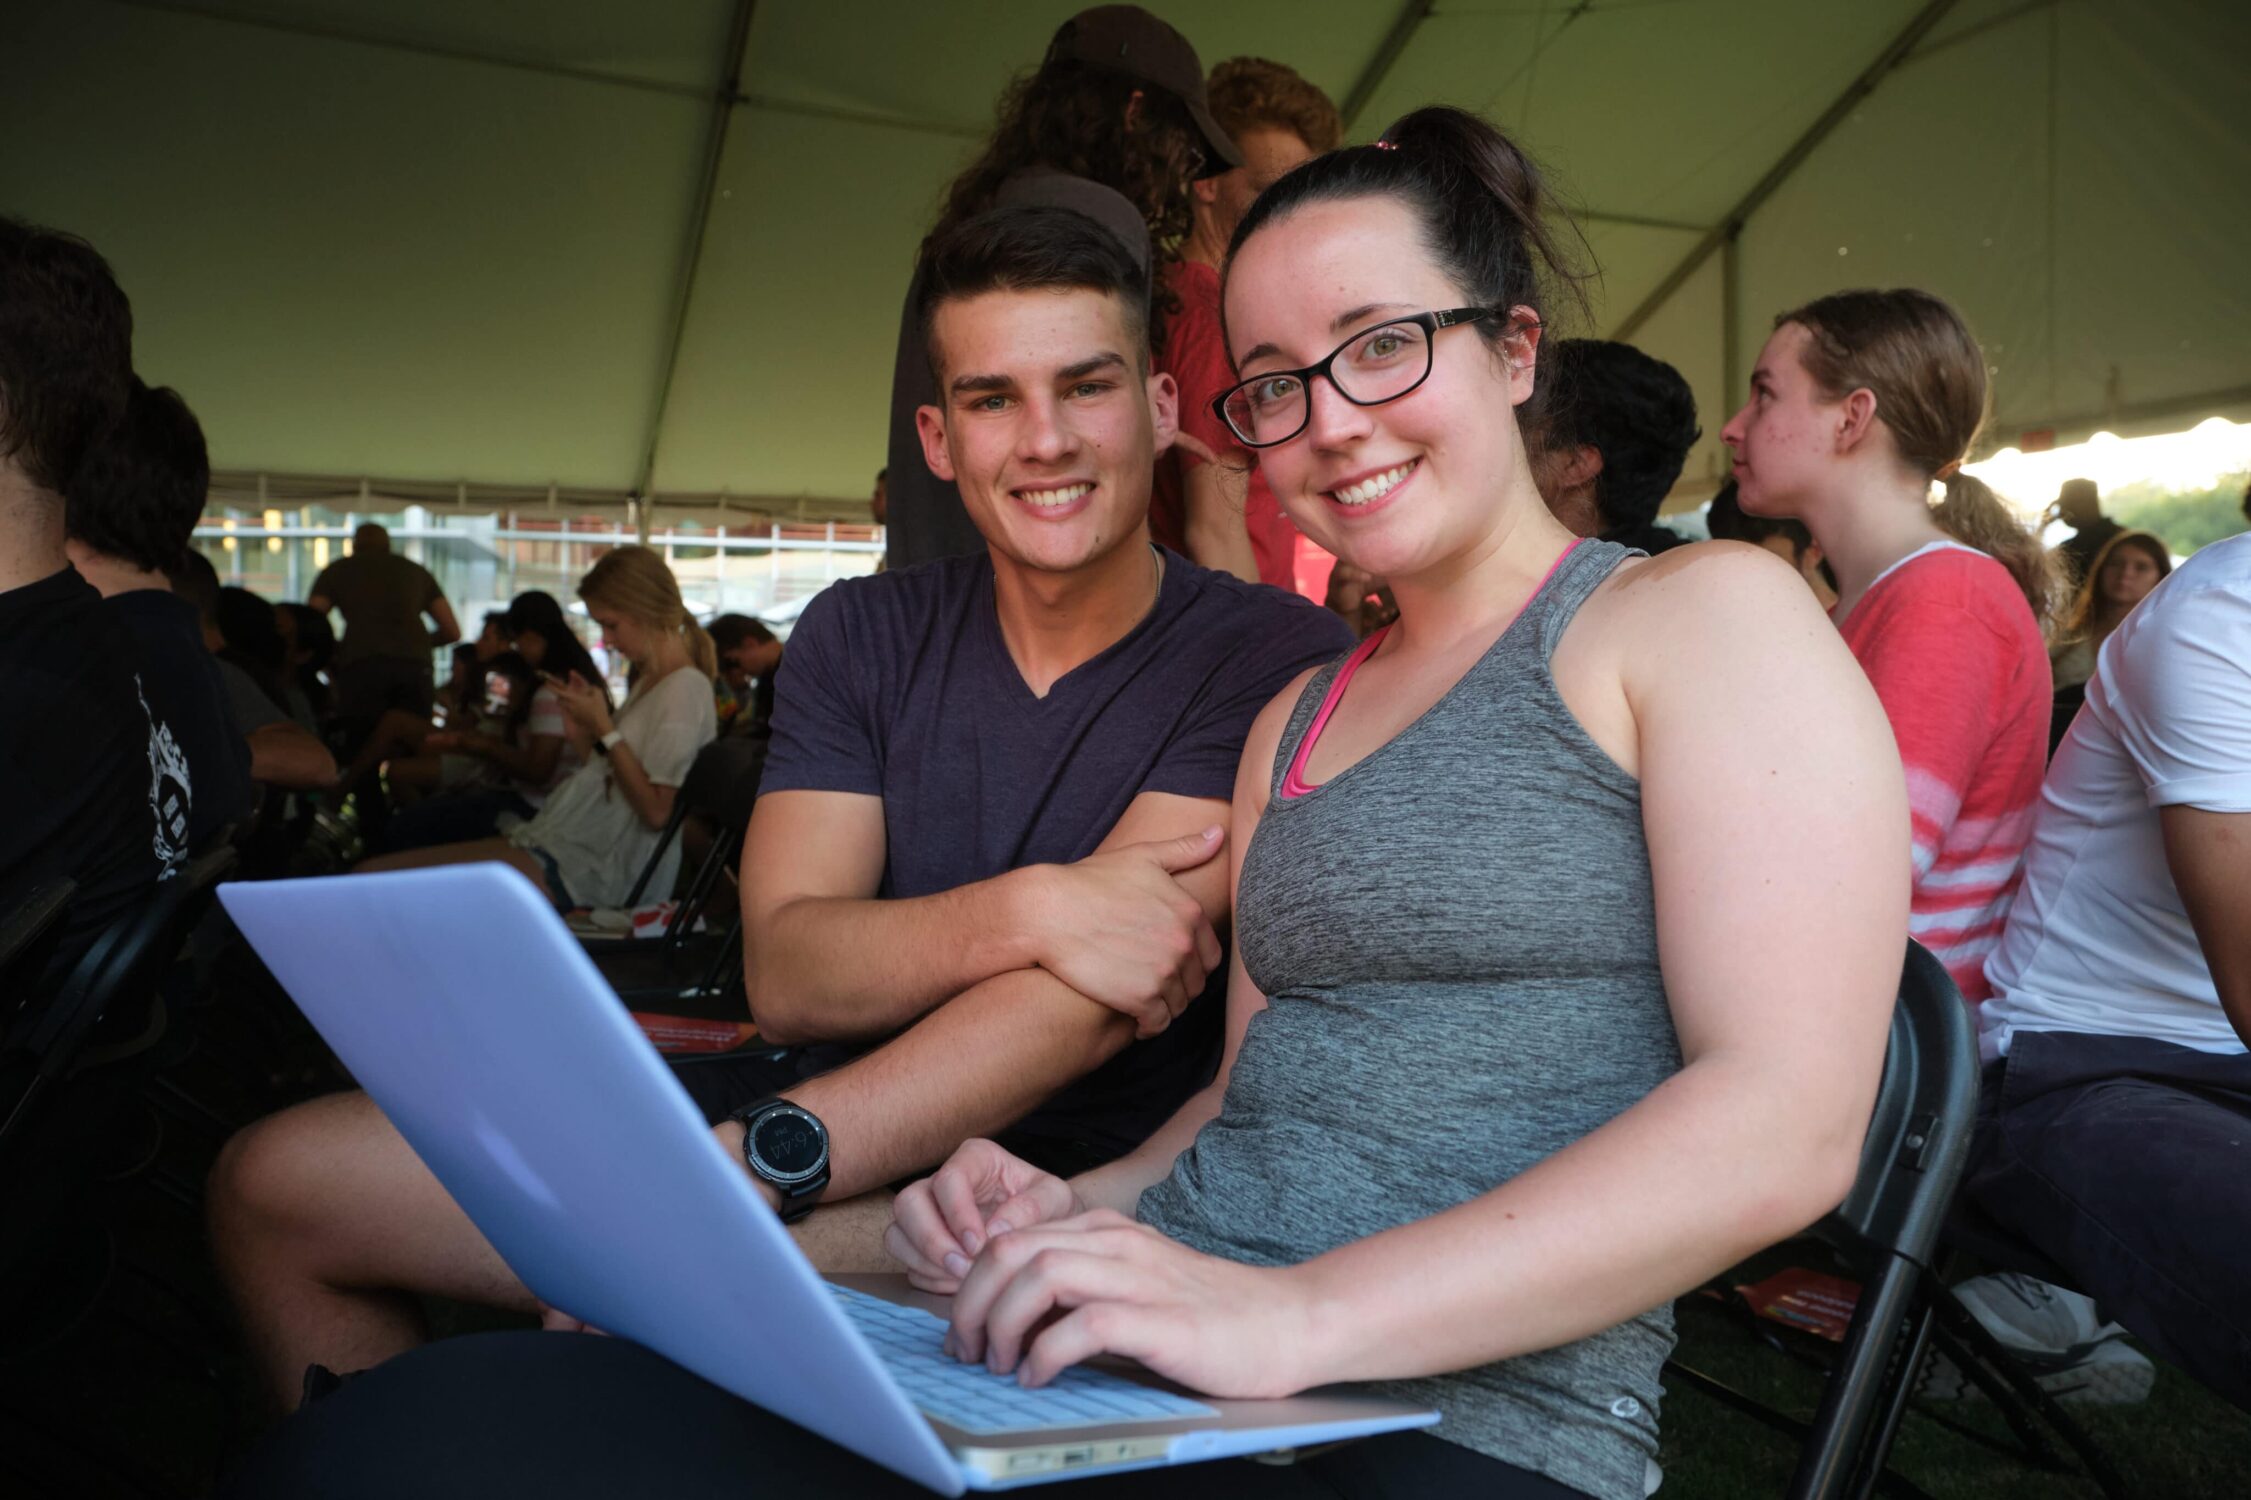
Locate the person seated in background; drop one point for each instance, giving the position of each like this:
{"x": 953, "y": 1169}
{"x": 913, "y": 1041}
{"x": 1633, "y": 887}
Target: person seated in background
{"x": 78, "y": 782}
{"x": 2116, "y": 1101}
{"x": 2079, "y": 505}
{"x": 310, "y": 644}
{"x": 749, "y": 656}
{"x": 2128, "y": 567}
{"x": 519, "y": 760}
{"x": 253, "y": 642}
{"x": 1727, "y": 521}
{"x": 383, "y": 660}
{"x": 284, "y": 754}
{"x": 132, "y": 510}
{"x": 1363, "y": 603}
{"x": 596, "y": 831}
{"x": 1210, "y": 503}
{"x": 1859, "y": 403}
{"x": 987, "y": 852}
{"x": 1618, "y": 428}
{"x": 398, "y": 734}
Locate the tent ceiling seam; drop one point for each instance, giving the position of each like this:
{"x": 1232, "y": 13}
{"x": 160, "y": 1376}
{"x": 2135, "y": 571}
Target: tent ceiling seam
{"x": 1386, "y": 55}
{"x": 699, "y": 223}
{"x": 1732, "y": 223}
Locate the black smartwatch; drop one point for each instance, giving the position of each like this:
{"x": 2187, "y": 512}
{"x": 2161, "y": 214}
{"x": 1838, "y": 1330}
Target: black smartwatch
{"x": 786, "y": 1147}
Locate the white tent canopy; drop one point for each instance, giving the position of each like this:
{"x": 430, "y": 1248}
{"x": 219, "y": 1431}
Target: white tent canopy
{"x": 611, "y": 247}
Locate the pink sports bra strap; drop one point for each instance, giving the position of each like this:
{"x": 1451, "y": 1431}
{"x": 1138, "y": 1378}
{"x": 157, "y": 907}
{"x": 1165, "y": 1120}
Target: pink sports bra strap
{"x": 1293, "y": 782}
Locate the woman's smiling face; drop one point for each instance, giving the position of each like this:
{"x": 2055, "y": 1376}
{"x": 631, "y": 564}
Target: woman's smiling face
{"x": 1399, "y": 487}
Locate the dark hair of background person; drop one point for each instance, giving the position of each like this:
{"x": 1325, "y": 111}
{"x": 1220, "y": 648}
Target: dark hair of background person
{"x": 141, "y": 488}
{"x": 194, "y": 579}
{"x": 1914, "y": 353}
{"x": 1252, "y": 93}
{"x": 253, "y": 640}
{"x": 729, "y": 631}
{"x": 1728, "y": 521}
{"x": 1075, "y": 118}
{"x": 1482, "y": 205}
{"x": 1633, "y": 409}
{"x": 317, "y": 639}
{"x": 2089, "y": 613}
{"x": 66, "y": 351}
{"x": 535, "y": 612}
{"x": 1030, "y": 248}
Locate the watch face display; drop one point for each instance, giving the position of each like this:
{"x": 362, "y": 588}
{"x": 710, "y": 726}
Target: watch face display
{"x": 788, "y": 1145}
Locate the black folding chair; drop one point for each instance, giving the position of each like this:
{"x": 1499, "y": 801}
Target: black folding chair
{"x": 1887, "y": 1231}
{"x": 27, "y": 939}
{"x": 699, "y": 971}
{"x": 116, "y": 979}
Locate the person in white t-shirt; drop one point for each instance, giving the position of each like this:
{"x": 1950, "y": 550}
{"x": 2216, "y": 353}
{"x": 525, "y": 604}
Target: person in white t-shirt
{"x": 597, "y": 829}
{"x": 2115, "y": 1118}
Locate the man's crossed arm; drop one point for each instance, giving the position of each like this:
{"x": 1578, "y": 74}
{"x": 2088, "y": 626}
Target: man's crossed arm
{"x": 1006, "y": 989}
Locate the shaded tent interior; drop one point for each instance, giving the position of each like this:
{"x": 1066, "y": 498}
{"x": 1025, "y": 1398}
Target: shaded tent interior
{"x": 617, "y": 248}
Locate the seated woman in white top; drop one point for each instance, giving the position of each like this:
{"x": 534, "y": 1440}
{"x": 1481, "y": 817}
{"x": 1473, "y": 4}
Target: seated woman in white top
{"x": 596, "y": 830}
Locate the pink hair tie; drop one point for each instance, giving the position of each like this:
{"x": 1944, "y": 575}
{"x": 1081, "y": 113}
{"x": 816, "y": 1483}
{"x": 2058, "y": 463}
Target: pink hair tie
{"x": 1387, "y": 145}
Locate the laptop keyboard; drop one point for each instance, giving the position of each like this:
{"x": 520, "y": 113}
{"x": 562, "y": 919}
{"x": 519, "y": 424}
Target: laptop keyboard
{"x": 973, "y": 1399}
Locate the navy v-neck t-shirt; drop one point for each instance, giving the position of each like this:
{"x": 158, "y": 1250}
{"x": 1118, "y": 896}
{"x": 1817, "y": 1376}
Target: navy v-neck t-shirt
{"x": 900, "y": 686}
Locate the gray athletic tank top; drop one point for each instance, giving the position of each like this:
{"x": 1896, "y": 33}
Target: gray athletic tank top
{"x": 1457, "y": 939}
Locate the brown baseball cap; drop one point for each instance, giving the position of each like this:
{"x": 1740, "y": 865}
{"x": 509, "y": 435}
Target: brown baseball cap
{"x": 1127, "y": 39}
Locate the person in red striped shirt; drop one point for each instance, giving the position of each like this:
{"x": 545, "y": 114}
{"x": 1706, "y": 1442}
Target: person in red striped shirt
{"x": 1861, "y": 400}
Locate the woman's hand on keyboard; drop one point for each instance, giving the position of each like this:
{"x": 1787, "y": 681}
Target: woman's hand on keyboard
{"x": 1041, "y": 1300}
{"x": 939, "y": 1225}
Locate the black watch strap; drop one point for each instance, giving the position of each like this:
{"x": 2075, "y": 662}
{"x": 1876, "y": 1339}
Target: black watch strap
{"x": 800, "y": 1179}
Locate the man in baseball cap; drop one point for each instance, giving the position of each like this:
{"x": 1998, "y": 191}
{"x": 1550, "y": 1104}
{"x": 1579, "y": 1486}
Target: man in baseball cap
{"x": 1126, "y": 39}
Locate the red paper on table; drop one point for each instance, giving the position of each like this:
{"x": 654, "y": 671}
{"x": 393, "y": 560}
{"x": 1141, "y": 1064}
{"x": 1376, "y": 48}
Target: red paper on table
{"x": 677, "y": 1034}
{"x": 1805, "y": 1299}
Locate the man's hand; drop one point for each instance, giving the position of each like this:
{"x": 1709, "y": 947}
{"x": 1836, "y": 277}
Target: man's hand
{"x": 938, "y": 1225}
{"x": 1120, "y": 930}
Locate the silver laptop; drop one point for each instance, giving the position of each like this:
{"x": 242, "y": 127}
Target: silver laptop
{"x": 460, "y": 1001}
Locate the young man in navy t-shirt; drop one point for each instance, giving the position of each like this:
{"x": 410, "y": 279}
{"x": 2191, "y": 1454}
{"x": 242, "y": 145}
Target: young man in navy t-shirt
{"x": 986, "y": 874}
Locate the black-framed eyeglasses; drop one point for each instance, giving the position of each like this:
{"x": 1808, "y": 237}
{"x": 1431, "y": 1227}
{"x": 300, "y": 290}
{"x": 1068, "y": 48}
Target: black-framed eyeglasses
{"x": 1373, "y": 366}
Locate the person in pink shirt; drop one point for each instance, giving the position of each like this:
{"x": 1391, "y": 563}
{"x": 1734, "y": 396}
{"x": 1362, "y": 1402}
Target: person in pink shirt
{"x": 1859, "y": 401}
{"x": 1223, "y": 514}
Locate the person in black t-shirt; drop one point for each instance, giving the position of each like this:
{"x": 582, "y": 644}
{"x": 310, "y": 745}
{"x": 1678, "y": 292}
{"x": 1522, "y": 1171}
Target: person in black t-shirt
{"x": 988, "y": 852}
{"x": 77, "y": 796}
{"x": 132, "y": 510}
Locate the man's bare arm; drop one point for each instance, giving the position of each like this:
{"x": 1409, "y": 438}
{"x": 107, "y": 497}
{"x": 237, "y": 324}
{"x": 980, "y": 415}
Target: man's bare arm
{"x": 2209, "y": 854}
{"x": 826, "y": 961}
{"x": 449, "y": 629}
{"x": 1214, "y": 495}
{"x": 982, "y": 1061}
{"x": 287, "y": 755}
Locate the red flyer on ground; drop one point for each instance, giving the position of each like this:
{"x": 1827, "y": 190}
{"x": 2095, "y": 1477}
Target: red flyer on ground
{"x": 1805, "y": 1299}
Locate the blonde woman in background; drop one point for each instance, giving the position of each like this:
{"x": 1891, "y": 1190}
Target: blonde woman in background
{"x": 595, "y": 831}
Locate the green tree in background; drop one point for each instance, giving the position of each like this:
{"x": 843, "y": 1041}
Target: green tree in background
{"x": 2186, "y": 519}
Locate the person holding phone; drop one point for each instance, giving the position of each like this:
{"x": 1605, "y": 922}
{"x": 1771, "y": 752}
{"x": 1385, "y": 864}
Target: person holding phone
{"x": 590, "y": 839}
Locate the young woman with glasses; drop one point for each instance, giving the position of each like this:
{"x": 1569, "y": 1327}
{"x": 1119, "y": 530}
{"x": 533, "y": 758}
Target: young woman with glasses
{"x": 1551, "y": 995}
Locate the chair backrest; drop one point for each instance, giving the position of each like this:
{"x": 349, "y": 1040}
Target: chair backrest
{"x": 1926, "y": 1108}
{"x": 122, "y": 967}
{"x": 26, "y": 934}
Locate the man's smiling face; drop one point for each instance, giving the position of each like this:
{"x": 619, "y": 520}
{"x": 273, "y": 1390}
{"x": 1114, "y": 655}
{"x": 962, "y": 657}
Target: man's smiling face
{"x": 1048, "y": 422}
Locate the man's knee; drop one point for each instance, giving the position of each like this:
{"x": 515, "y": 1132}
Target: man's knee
{"x": 284, "y": 1173}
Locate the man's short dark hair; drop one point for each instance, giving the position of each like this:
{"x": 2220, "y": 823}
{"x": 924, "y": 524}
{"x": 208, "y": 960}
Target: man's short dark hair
{"x": 1634, "y": 410}
{"x": 141, "y": 489}
{"x": 1030, "y": 249}
{"x": 66, "y": 351}
{"x": 729, "y": 631}
{"x": 1728, "y": 521}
